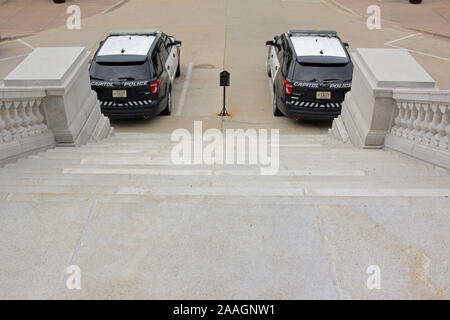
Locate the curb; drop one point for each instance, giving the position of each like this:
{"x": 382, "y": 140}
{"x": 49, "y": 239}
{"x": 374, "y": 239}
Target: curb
{"x": 114, "y": 6}
{"x": 432, "y": 33}
{"x": 24, "y": 35}
{"x": 342, "y": 7}
{"x": 17, "y": 36}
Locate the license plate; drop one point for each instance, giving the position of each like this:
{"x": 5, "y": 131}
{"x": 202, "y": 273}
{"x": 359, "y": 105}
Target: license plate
{"x": 323, "y": 95}
{"x": 119, "y": 93}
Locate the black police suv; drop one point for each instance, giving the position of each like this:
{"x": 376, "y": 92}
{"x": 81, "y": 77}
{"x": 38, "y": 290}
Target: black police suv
{"x": 311, "y": 72}
{"x": 133, "y": 73}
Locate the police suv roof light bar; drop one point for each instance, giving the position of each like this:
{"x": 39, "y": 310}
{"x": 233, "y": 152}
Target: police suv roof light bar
{"x": 328, "y": 33}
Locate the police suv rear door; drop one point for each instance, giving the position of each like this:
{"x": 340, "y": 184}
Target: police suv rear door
{"x": 274, "y": 62}
{"x": 171, "y": 52}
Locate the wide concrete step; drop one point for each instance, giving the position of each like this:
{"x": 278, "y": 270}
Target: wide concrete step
{"x": 166, "y": 152}
{"x": 373, "y": 166}
{"x": 275, "y": 184}
{"x": 163, "y": 137}
{"x": 138, "y": 153}
{"x": 285, "y": 160}
{"x": 208, "y": 171}
{"x": 168, "y": 146}
{"x": 283, "y": 189}
{"x": 242, "y": 201}
{"x": 35, "y": 178}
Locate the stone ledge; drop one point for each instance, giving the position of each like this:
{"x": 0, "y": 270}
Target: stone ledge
{"x": 434, "y": 156}
{"x": 393, "y": 68}
{"x": 64, "y": 62}
{"x": 422, "y": 96}
{"x": 11, "y": 151}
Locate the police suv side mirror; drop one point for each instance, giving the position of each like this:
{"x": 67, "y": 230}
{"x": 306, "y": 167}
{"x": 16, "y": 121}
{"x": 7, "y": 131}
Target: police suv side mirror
{"x": 270, "y": 43}
{"x": 175, "y": 43}
{"x": 346, "y": 45}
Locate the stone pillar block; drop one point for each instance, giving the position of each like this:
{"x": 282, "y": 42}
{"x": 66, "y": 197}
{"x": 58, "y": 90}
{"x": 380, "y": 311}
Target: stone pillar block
{"x": 369, "y": 109}
{"x": 71, "y": 108}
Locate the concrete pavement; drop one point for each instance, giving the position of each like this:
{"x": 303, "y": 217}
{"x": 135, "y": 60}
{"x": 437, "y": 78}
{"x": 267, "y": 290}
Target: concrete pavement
{"x": 140, "y": 227}
{"x": 24, "y": 17}
{"x": 431, "y": 16}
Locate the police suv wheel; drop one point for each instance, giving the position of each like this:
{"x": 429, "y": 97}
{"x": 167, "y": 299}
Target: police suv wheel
{"x": 276, "y": 111}
{"x": 168, "y": 110}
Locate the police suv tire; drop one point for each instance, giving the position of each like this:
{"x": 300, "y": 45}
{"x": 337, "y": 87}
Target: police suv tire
{"x": 168, "y": 110}
{"x": 276, "y": 111}
{"x": 178, "y": 69}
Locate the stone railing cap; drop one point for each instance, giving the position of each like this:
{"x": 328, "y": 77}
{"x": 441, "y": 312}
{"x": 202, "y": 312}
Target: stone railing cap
{"x": 393, "y": 68}
{"x": 46, "y": 67}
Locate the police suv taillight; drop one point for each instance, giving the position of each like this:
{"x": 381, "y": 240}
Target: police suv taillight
{"x": 287, "y": 87}
{"x": 154, "y": 86}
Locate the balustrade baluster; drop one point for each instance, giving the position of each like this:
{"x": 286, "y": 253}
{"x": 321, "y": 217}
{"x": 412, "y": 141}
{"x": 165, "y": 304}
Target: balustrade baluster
{"x": 405, "y": 120}
{"x": 402, "y": 122}
{"x": 442, "y": 143}
{"x": 10, "y": 119}
{"x": 434, "y": 124}
{"x": 396, "y": 126}
{"x": 412, "y": 118}
{"x": 21, "y": 112}
{"x": 447, "y": 132}
{"x": 5, "y": 132}
{"x": 2, "y": 123}
{"x": 42, "y": 126}
{"x": 418, "y": 121}
{"x": 426, "y": 123}
{"x": 20, "y": 130}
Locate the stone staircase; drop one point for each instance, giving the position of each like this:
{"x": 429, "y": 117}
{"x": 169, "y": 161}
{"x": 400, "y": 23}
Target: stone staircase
{"x": 140, "y": 227}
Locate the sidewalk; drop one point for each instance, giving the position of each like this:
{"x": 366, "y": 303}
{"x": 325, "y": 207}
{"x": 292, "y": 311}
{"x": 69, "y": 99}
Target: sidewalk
{"x": 431, "y": 16}
{"x": 22, "y": 17}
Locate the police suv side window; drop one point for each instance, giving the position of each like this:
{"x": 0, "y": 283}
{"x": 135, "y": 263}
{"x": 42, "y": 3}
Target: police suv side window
{"x": 163, "y": 52}
{"x": 156, "y": 62}
{"x": 286, "y": 60}
{"x": 281, "y": 44}
{"x": 167, "y": 41}
{"x": 278, "y": 45}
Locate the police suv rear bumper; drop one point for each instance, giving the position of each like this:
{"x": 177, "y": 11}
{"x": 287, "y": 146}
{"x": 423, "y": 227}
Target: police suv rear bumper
{"x": 130, "y": 109}
{"x": 313, "y": 110}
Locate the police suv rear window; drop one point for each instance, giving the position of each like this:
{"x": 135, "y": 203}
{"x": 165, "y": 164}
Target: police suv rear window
{"x": 317, "y": 72}
{"x": 121, "y": 71}
{"x": 319, "y": 50}
{"x": 126, "y": 45}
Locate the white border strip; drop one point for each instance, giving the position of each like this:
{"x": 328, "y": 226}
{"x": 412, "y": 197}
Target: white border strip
{"x": 13, "y": 57}
{"x": 77, "y": 248}
{"x": 179, "y": 110}
{"x": 390, "y": 44}
{"x": 25, "y": 43}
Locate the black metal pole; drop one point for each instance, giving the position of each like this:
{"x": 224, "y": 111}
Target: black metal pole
{"x": 224, "y": 109}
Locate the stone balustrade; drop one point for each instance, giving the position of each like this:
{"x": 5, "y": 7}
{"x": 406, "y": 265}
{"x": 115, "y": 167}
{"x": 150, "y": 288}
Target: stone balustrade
{"x": 23, "y": 127}
{"x": 421, "y": 125}
{"x": 395, "y": 104}
{"x": 47, "y": 101}
{"x": 422, "y": 120}
{"x": 20, "y": 119}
